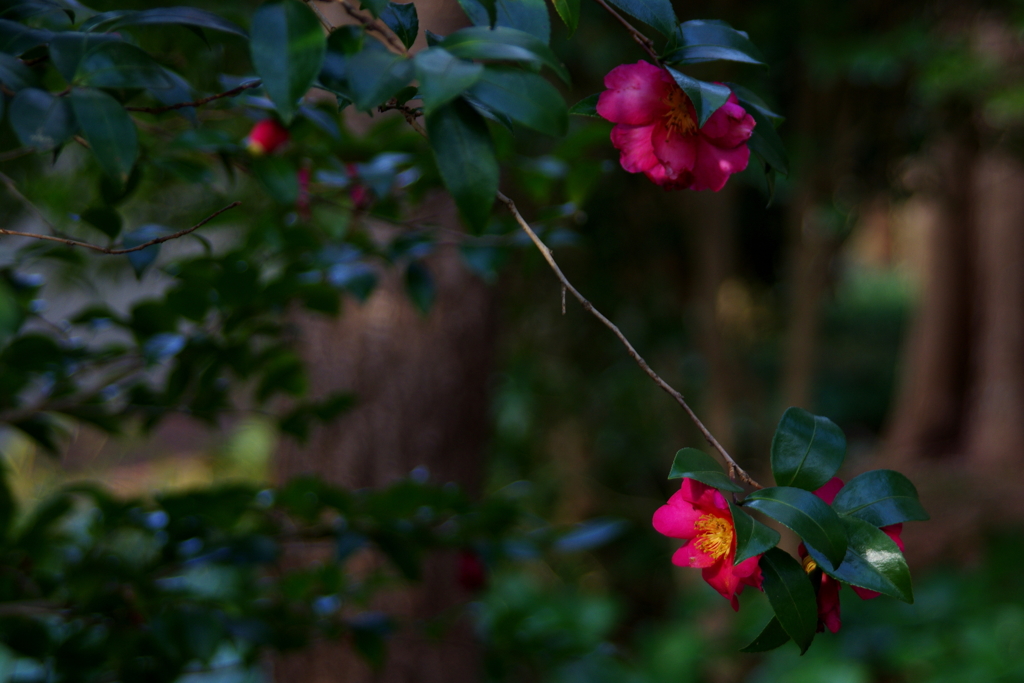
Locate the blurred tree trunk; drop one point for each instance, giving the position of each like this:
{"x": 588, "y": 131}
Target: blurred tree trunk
{"x": 421, "y": 385}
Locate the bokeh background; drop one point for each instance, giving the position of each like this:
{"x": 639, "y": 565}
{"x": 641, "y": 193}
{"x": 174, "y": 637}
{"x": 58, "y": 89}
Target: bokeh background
{"x": 879, "y": 284}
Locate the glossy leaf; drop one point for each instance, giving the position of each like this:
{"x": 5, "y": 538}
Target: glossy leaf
{"x": 569, "y": 11}
{"x": 287, "y": 47}
{"x": 16, "y": 38}
{"x": 181, "y": 16}
{"x": 705, "y": 41}
{"x": 881, "y": 498}
{"x": 465, "y": 157}
{"x": 109, "y": 131}
{"x": 443, "y": 77}
{"x": 807, "y": 450}
{"x": 525, "y": 97}
{"x": 403, "y": 20}
{"x": 694, "y": 464}
{"x": 752, "y": 537}
{"x": 657, "y": 14}
{"x": 766, "y": 143}
{"x": 505, "y": 45}
{"x": 750, "y": 100}
{"x": 68, "y": 48}
{"x": 770, "y": 638}
{"x": 706, "y": 97}
{"x": 116, "y": 64}
{"x": 806, "y": 514}
{"x": 873, "y": 561}
{"x": 791, "y": 596}
{"x": 41, "y": 120}
{"x": 587, "y": 106}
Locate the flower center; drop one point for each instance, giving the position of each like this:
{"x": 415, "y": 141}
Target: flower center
{"x": 678, "y": 118}
{"x": 715, "y": 536}
{"x": 809, "y": 564}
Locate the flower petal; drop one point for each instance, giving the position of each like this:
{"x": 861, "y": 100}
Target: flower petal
{"x": 635, "y": 94}
{"x": 828, "y": 603}
{"x": 722, "y": 577}
{"x": 675, "y": 151}
{"x": 893, "y": 531}
{"x": 676, "y": 518}
{"x": 701, "y": 496}
{"x": 635, "y": 144}
{"x": 690, "y": 555}
{"x": 729, "y": 126}
{"x": 829, "y": 490}
{"x": 714, "y": 165}
{"x": 864, "y": 593}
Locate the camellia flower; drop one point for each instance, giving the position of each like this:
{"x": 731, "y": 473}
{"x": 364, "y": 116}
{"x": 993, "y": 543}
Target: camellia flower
{"x": 828, "y": 591}
{"x": 700, "y": 514}
{"x": 658, "y": 135}
{"x": 266, "y": 136}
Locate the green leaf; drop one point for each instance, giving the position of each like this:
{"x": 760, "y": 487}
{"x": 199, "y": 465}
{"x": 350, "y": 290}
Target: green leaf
{"x": 376, "y": 7}
{"x": 375, "y": 75}
{"x": 14, "y": 74}
{"x": 68, "y": 48}
{"x": 16, "y": 38}
{"x": 569, "y": 11}
{"x": 771, "y": 637}
{"x": 657, "y": 14}
{"x": 873, "y": 561}
{"x": 766, "y": 143}
{"x": 505, "y": 45}
{"x": 181, "y": 16}
{"x": 419, "y": 285}
{"x": 106, "y": 220}
{"x": 41, "y": 120}
{"x": 287, "y": 48}
{"x": 881, "y": 498}
{"x": 751, "y": 101}
{"x": 791, "y": 596}
{"x": 443, "y": 77}
{"x": 109, "y": 130}
{"x": 752, "y": 537}
{"x": 279, "y": 176}
{"x": 693, "y": 464}
{"x": 530, "y": 16}
{"x": 705, "y": 41}
{"x": 465, "y": 157}
{"x": 807, "y": 450}
{"x": 524, "y": 97}
{"x": 115, "y": 64}
{"x": 403, "y": 20}
{"x": 706, "y": 97}
{"x": 587, "y": 107}
{"x": 806, "y": 514}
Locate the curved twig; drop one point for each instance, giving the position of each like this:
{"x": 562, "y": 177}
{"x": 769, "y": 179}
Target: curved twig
{"x": 643, "y": 41}
{"x": 734, "y": 469}
{"x": 198, "y": 103}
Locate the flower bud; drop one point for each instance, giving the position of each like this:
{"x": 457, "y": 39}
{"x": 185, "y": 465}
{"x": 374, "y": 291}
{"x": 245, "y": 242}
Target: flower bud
{"x": 266, "y": 136}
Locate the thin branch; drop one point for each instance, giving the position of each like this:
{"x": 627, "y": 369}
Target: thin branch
{"x": 128, "y": 250}
{"x": 385, "y": 35}
{"x": 328, "y": 26}
{"x": 734, "y": 469}
{"x": 643, "y": 41}
{"x": 409, "y": 113}
{"x": 198, "y": 103}
{"x": 16, "y": 153}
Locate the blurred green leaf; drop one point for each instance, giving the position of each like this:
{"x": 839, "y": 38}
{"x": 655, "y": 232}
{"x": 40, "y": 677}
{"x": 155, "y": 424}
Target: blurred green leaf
{"x": 657, "y": 14}
{"x": 569, "y": 11}
{"x": 17, "y": 38}
{"x": 587, "y": 106}
{"x": 180, "y": 16}
{"x": 287, "y": 48}
{"x": 505, "y": 45}
{"x": 419, "y": 285}
{"x": 403, "y": 20}
{"x": 279, "y": 176}
{"x": 68, "y": 47}
{"x": 773, "y": 636}
{"x": 41, "y": 120}
{"x": 106, "y": 220}
{"x": 14, "y": 74}
{"x": 705, "y": 41}
{"x": 752, "y": 537}
{"x": 525, "y": 97}
{"x": 115, "y": 64}
{"x": 529, "y": 16}
{"x": 143, "y": 258}
{"x": 443, "y": 77}
{"x": 109, "y": 131}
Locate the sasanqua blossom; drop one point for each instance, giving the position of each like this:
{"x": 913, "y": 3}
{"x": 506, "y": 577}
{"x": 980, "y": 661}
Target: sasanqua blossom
{"x": 657, "y": 130}
{"x": 700, "y": 514}
{"x": 828, "y": 591}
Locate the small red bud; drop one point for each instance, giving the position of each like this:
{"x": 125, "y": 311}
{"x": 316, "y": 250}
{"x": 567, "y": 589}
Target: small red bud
{"x": 472, "y": 572}
{"x": 266, "y": 136}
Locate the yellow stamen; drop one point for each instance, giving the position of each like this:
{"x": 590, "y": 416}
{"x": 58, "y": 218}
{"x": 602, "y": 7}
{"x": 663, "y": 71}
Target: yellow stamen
{"x": 809, "y": 564}
{"x": 678, "y": 118}
{"x": 715, "y": 536}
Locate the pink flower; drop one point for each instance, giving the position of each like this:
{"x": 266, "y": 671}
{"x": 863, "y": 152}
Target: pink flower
{"x": 828, "y": 592}
{"x": 266, "y": 136}
{"x": 700, "y": 514}
{"x": 657, "y": 130}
